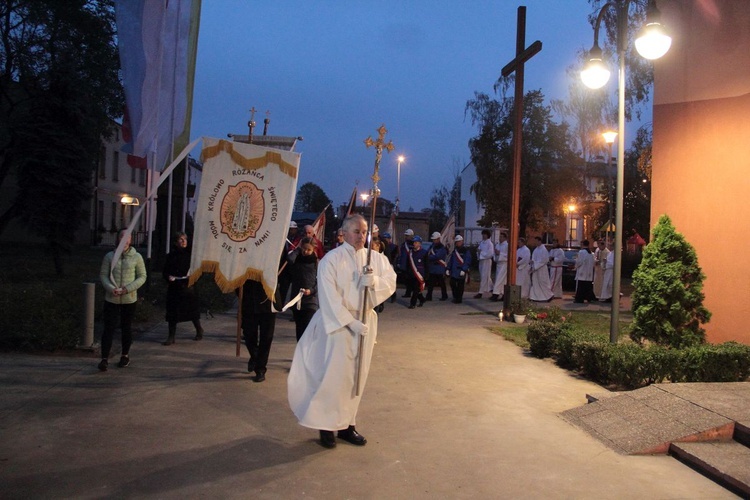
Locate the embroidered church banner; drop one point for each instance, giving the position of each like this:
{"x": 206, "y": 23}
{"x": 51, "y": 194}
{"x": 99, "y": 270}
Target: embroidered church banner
{"x": 244, "y": 208}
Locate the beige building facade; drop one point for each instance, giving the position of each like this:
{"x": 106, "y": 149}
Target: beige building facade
{"x": 701, "y": 149}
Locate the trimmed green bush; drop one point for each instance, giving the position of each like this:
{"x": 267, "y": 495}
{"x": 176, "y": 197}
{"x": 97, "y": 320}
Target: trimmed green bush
{"x": 668, "y": 297}
{"x": 727, "y": 362}
{"x": 541, "y": 336}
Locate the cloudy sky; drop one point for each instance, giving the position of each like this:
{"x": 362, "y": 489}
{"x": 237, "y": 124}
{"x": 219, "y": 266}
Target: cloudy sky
{"x": 334, "y": 71}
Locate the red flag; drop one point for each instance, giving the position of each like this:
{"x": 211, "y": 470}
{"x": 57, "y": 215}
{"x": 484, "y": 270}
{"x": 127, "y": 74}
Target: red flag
{"x": 352, "y": 202}
{"x": 319, "y": 226}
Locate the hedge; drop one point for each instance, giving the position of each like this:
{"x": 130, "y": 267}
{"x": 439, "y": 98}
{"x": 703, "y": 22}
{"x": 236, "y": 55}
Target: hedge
{"x": 628, "y": 365}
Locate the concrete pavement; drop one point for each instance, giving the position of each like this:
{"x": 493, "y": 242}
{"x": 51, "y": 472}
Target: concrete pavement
{"x": 450, "y": 411}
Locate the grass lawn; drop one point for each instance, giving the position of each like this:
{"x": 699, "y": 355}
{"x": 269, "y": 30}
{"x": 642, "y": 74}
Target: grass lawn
{"x": 594, "y": 321}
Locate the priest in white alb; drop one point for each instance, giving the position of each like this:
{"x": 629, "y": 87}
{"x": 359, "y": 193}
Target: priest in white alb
{"x": 541, "y": 291}
{"x": 321, "y": 383}
{"x": 523, "y": 261}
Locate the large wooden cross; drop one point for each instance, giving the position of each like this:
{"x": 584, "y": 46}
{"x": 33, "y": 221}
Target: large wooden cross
{"x": 523, "y": 54}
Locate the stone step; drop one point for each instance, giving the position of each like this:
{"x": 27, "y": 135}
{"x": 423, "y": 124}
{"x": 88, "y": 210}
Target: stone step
{"x": 725, "y": 462}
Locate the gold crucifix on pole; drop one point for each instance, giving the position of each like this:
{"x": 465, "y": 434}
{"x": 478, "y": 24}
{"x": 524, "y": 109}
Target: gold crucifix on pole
{"x": 380, "y": 145}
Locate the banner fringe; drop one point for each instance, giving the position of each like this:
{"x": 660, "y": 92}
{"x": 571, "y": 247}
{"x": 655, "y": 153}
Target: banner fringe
{"x": 249, "y": 163}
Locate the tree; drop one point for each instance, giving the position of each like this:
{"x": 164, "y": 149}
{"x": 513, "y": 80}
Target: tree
{"x": 311, "y": 198}
{"x": 438, "y": 208}
{"x": 59, "y": 90}
{"x": 550, "y": 173}
{"x": 636, "y": 215}
{"x": 668, "y": 297}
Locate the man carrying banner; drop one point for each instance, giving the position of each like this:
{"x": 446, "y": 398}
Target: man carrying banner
{"x": 321, "y": 384}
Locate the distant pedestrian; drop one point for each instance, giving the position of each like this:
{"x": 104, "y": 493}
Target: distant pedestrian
{"x": 458, "y": 268}
{"x": 485, "y": 253}
{"x": 182, "y": 301}
{"x": 556, "y": 259}
{"x": 541, "y": 291}
{"x": 437, "y": 262}
{"x": 402, "y": 266}
{"x": 339, "y": 238}
{"x": 523, "y": 268}
{"x": 584, "y": 275}
{"x": 501, "y": 270}
{"x": 304, "y": 270}
{"x": 120, "y": 297}
{"x": 417, "y": 271}
{"x": 608, "y": 279}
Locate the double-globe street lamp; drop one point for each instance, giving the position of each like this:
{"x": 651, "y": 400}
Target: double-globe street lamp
{"x": 652, "y": 42}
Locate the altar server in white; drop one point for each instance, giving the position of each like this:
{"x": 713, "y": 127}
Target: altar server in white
{"x": 321, "y": 383}
{"x": 541, "y": 291}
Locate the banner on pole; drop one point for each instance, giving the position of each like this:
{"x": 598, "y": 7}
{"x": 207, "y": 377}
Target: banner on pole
{"x": 244, "y": 208}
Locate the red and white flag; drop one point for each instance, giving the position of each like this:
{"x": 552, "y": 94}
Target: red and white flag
{"x": 157, "y": 41}
{"x": 449, "y": 232}
{"x": 319, "y": 226}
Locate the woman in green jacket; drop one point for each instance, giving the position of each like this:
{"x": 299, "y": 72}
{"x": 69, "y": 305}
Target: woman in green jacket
{"x": 120, "y": 284}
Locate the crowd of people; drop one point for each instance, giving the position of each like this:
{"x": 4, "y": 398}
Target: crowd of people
{"x": 339, "y": 294}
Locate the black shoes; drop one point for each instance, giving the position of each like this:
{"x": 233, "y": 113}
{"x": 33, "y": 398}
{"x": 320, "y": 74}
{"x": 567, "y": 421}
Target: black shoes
{"x": 250, "y": 365}
{"x": 327, "y": 439}
{"x": 124, "y": 361}
{"x": 198, "y": 335}
{"x": 495, "y": 297}
{"x": 422, "y": 301}
{"x": 259, "y": 377}
{"x": 411, "y": 306}
{"x": 169, "y": 341}
{"x": 103, "y": 364}
{"x": 350, "y": 435}
{"x": 478, "y": 296}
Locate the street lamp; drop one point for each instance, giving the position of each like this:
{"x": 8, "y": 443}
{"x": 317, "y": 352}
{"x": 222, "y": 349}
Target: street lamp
{"x": 652, "y": 43}
{"x": 364, "y": 197}
{"x": 609, "y": 138}
{"x": 398, "y": 181}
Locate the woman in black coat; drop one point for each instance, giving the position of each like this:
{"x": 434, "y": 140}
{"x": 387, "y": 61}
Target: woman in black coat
{"x": 182, "y": 301}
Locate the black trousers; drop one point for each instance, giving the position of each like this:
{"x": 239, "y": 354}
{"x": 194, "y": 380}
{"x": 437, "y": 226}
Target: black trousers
{"x": 301, "y": 320}
{"x": 258, "y": 330}
{"x": 457, "y": 288}
{"x": 584, "y": 291}
{"x": 436, "y": 280}
{"x": 125, "y": 314}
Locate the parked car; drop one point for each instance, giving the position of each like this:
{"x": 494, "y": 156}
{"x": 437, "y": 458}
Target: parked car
{"x": 569, "y": 269}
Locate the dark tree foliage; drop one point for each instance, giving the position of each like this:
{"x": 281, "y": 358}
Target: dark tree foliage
{"x": 550, "y": 173}
{"x": 438, "y": 208}
{"x": 668, "y": 297}
{"x": 59, "y": 89}
{"x": 311, "y": 198}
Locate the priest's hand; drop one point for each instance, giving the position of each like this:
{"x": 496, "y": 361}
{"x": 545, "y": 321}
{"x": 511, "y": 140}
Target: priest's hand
{"x": 358, "y": 328}
{"x": 367, "y": 279}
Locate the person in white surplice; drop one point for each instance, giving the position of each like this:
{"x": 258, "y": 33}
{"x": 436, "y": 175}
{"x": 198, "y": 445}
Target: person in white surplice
{"x": 609, "y": 269}
{"x": 541, "y": 291}
{"x": 501, "y": 271}
{"x": 523, "y": 261}
{"x": 321, "y": 383}
{"x": 556, "y": 259}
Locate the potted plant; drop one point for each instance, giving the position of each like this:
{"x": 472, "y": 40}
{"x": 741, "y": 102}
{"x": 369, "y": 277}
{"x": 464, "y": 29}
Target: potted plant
{"x": 520, "y": 309}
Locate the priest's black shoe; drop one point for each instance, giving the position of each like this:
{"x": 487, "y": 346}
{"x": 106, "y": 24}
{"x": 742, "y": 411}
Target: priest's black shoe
{"x": 350, "y": 435}
{"x": 327, "y": 439}
{"x": 259, "y": 377}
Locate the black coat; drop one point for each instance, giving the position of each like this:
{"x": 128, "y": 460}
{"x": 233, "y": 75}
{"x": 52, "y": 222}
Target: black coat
{"x": 304, "y": 271}
{"x": 183, "y": 303}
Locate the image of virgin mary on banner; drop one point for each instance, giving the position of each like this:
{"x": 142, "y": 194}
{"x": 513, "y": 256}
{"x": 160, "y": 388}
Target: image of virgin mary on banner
{"x": 244, "y": 208}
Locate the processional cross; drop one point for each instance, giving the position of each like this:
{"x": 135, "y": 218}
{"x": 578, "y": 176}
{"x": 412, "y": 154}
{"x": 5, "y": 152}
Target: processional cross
{"x": 517, "y": 65}
{"x": 380, "y": 145}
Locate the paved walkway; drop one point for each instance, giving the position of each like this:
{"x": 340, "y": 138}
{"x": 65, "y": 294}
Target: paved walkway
{"x": 450, "y": 411}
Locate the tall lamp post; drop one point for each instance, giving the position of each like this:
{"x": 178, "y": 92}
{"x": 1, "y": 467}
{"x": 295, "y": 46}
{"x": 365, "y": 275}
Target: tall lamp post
{"x": 609, "y": 138}
{"x": 400, "y": 160}
{"x": 652, "y": 42}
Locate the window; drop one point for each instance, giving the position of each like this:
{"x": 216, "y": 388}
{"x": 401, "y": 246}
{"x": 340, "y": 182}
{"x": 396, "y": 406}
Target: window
{"x": 113, "y": 217}
{"x": 115, "y": 166}
{"x": 142, "y": 178}
{"x": 103, "y": 163}
{"x": 132, "y": 175}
